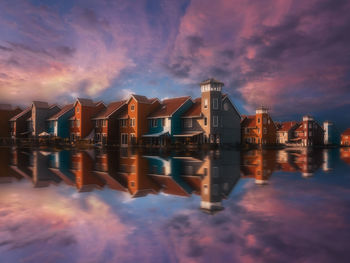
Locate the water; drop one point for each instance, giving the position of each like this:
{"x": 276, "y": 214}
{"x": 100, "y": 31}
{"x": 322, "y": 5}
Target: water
{"x": 138, "y": 206}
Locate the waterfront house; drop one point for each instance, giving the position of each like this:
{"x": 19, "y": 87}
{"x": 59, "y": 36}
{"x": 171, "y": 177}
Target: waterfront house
{"x": 345, "y": 155}
{"x": 106, "y": 123}
{"x": 212, "y": 118}
{"x": 20, "y": 124}
{"x": 41, "y": 111}
{"x": 59, "y": 123}
{"x": 345, "y": 138}
{"x": 81, "y": 125}
{"x": 6, "y": 113}
{"x": 308, "y": 133}
{"x": 331, "y": 133}
{"x": 165, "y": 121}
{"x": 133, "y": 123}
{"x": 258, "y": 129}
{"x": 285, "y": 131}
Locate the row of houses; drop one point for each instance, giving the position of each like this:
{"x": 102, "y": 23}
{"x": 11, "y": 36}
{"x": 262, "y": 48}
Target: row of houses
{"x": 211, "y": 118}
{"x": 138, "y": 120}
{"x": 260, "y": 129}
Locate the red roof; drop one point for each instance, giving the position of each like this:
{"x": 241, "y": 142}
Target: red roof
{"x": 61, "y": 112}
{"x": 21, "y": 114}
{"x": 300, "y": 128}
{"x": 169, "y": 106}
{"x": 195, "y": 110}
{"x": 286, "y": 126}
{"x": 346, "y": 132}
{"x": 143, "y": 99}
{"x": 249, "y": 122}
{"x": 111, "y": 108}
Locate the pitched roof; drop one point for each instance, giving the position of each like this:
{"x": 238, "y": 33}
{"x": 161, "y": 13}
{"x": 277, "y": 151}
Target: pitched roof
{"x": 111, "y": 108}
{"x": 40, "y": 104}
{"x": 249, "y": 122}
{"x": 142, "y": 99}
{"x": 195, "y": 110}
{"x": 86, "y": 102}
{"x": 211, "y": 81}
{"x": 346, "y": 132}
{"x": 21, "y": 114}
{"x": 65, "y": 109}
{"x": 286, "y": 126}
{"x": 169, "y": 106}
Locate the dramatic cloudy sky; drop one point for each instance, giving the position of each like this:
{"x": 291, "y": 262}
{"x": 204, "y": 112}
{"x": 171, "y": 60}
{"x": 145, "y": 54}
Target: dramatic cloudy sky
{"x": 293, "y": 56}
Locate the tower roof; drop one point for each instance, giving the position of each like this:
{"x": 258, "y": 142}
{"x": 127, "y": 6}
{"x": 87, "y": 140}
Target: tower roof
{"x": 211, "y": 81}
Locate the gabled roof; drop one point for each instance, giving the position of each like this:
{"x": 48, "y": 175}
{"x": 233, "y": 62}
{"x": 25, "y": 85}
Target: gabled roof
{"x": 61, "y": 112}
{"x": 21, "y": 114}
{"x": 211, "y": 81}
{"x": 195, "y": 110}
{"x": 142, "y": 99}
{"x": 40, "y": 104}
{"x": 111, "y": 108}
{"x": 224, "y": 97}
{"x": 249, "y": 122}
{"x": 168, "y": 107}
{"x": 346, "y": 132}
{"x": 286, "y": 126}
{"x": 85, "y": 102}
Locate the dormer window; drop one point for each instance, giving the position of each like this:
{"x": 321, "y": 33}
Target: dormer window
{"x": 78, "y": 109}
{"x": 132, "y": 107}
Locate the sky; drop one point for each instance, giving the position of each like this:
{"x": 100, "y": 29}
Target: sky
{"x": 291, "y": 56}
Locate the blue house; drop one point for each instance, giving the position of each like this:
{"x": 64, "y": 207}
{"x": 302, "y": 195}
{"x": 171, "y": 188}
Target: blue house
{"x": 59, "y": 123}
{"x": 166, "y": 121}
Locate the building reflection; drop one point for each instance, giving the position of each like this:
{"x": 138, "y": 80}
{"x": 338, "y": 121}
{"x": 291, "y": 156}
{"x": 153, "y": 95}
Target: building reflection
{"x": 211, "y": 176}
{"x": 345, "y": 154}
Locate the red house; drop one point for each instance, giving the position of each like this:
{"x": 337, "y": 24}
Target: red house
{"x": 6, "y": 113}
{"x": 107, "y": 123}
{"x": 345, "y": 138}
{"x": 308, "y": 133}
{"x": 81, "y": 123}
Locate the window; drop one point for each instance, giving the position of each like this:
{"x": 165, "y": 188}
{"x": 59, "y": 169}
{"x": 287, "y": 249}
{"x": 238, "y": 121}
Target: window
{"x": 310, "y": 125}
{"x": 96, "y": 123}
{"x": 205, "y": 121}
{"x": 215, "y": 104}
{"x": 265, "y": 131}
{"x": 258, "y": 130}
{"x": 258, "y": 120}
{"x": 104, "y": 123}
{"x": 188, "y": 123}
{"x": 132, "y": 122}
{"x": 132, "y": 107}
{"x": 77, "y": 109}
{"x": 226, "y": 107}
{"x": 268, "y": 121}
{"x": 246, "y": 130}
{"x": 132, "y": 138}
{"x": 215, "y": 121}
{"x": 78, "y": 123}
{"x": 305, "y": 126}
{"x": 215, "y": 171}
{"x": 124, "y": 138}
{"x": 154, "y": 123}
{"x": 205, "y": 103}
{"x": 264, "y": 120}
{"x": 123, "y": 122}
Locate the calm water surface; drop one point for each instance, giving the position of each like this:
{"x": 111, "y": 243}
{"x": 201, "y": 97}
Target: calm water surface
{"x": 138, "y": 206}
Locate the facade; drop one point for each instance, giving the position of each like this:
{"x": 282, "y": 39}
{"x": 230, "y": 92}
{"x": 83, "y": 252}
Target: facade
{"x": 258, "y": 129}
{"x": 58, "y": 124}
{"x": 165, "y": 122}
{"x": 345, "y": 138}
{"x": 331, "y": 134}
{"x": 308, "y": 133}
{"x": 213, "y": 118}
{"x": 21, "y": 125}
{"x": 133, "y": 123}
{"x": 106, "y": 123}
{"x": 6, "y": 113}
{"x": 285, "y": 131}
{"x": 41, "y": 111}
{"x": 81, "y": 124}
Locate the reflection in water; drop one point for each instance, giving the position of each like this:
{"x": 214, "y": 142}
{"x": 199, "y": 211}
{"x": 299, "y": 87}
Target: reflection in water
{"x": 212, "y": 176}
{"x": 127, "y": 206}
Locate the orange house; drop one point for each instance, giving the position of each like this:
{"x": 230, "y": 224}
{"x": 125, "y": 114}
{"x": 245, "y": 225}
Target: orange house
{"x": 133, "y": 123}
{"x": 6, "y": 113}
{"x": 345, "y": 138}
{"x": 81, "y": 123}
{"x": 258, "y": 129}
